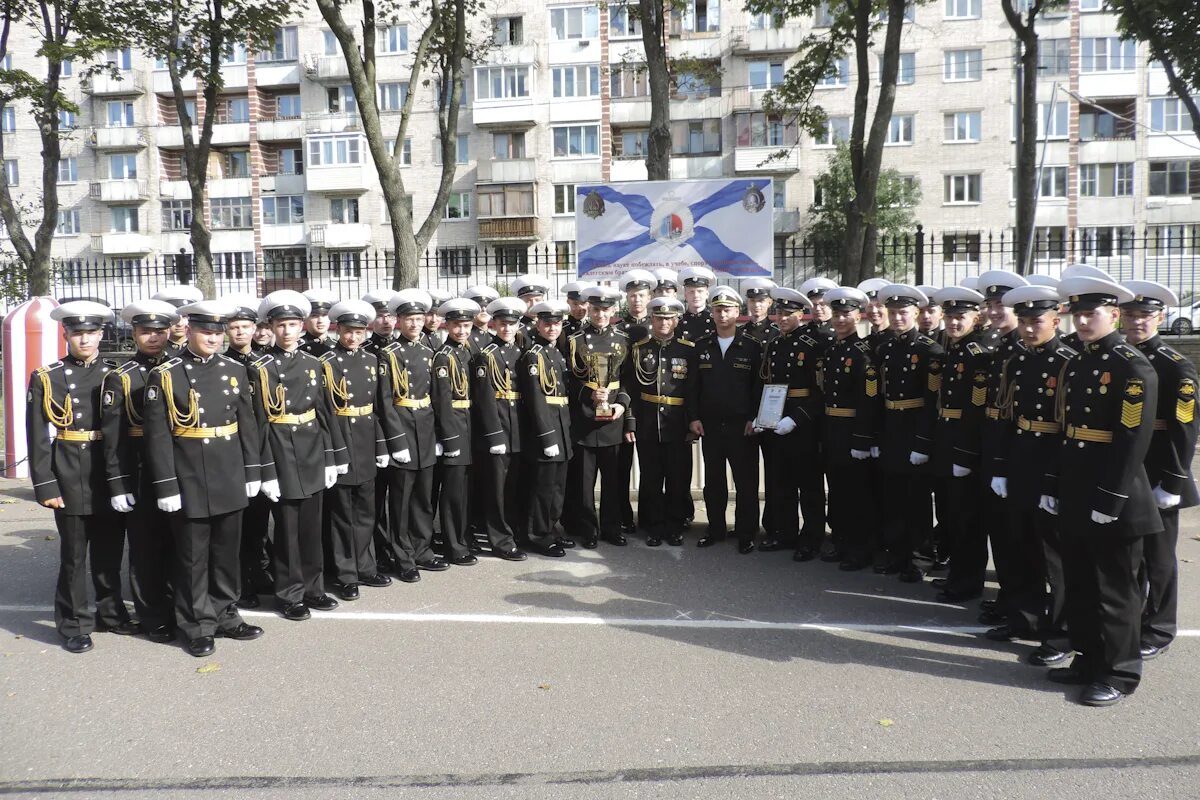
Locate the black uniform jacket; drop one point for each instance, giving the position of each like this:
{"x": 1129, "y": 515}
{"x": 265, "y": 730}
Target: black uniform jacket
{"x": 542, "y": 378}
{"x": 853, "y": 398}
{"x": 1169, "y": 462}
{"x": 123, "y": 401}
{"x": 409, "y": 367}
{"x": 590, "y": 345}
{"x": 360, "y": 396}
{"x": 660, "y": 378}
{"x": 495, "y": 399}
{"x": 910, "y": 365}
{"x": 451, "y": 392}
{"x": 962, "y": 403}
{"x": 728, "y": 385}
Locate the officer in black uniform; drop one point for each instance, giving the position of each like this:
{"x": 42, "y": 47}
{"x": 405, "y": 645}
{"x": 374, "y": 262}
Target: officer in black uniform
{"x": 361, "y": 396}
{"x": 660, "y": 378}
{"x": 435, "y": 334}
{"x": 203, "y": 452}
{"x": 178, "y": 296}
{"x": 481, "y": 335}
{"x": 637, "y": 284}
{"x": 383, "y": 333}
{"x": 853, "y": 405}
{"x": 1104, "y": 501}
{"x": 668, "y": 282}
{"x": 931, "y": 319}
{"x": 409, "y": 364}
{"x": 499, "y": 425}
{"x": 69, "y": 476}
{"x": 531, "y": 290}
{"x": 383, "y": 328}
{"x": 151, "y": 555}
{"x": 696, "y": 320}
{"x": 758, "y": 324}
{"x": 910, "y": 364}
{"x": 818, "y": 326}
{"x": 1072, "y": 339}
{"x": 598, "y": 345}
{"x": 794, "y": 466}
{"x": 934, "y": 546}
{"x": 578, "y": 311}
{"x": 728, "y": 391}
{"x": 876, "y": 312}
{"x": 316, "y": 339}
{"x": 1169, "y": 461}
{"x": 542, "y": 372}
{"x": 303, "y": 453}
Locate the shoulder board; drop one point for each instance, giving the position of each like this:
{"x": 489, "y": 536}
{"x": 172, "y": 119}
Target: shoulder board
{"x": 804, "y": 337}
{"x": 534, "y": 348}
{"x": 326, "y": 356}
{"x": 923, "y": 339}
{"x": 263, "y": 360}
{"x": 643, "y": 341}
{"x": 444, "y": 349}
{"x": 1126, "y": 351}
{"x": 110, "y": 362}
{"x": 389, "y": 347}
{"x": 166, "y": 365}
{"x": 491, "y": 348}
{"x": 228, "y": 358}
{"x": 863, "y": 346}
{"x": 687, "y": 342}
{"x": 1066, "y": 352}
{"x": 1171, "y": 353}
{"x": 303, "y": 354}
{"x": 974, "y": 348}
{"x": 48, "y": 368}
{"x": 128, "y": 366}
{"x": 618, "y": 331}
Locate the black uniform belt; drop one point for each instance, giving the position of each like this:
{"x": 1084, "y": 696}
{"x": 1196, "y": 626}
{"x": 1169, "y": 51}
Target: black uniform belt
{"x": 293, "y": 419}
{"x": 834, "y": 411}
{"x": 561, "y": 401}
{"x": 950, "y": 413}
{"x": 1038, "y": 426}
{"x": 503, "y": 395}
{"x": 355, "y": 411}
{"x": 80, "y": 436}
{"x": 412, "y": 402}
{"x": 612, "y": 387}
{"x": 1089, "y": 434}
{"x": 664, "y": 400}
{"x": 799, "y": 392}
{"x": 205, "y": 433}
{"x": 904, "y": 405}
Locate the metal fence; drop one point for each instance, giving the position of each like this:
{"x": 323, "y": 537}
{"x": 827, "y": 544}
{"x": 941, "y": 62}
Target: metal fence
{"x": 1168, "y": 254}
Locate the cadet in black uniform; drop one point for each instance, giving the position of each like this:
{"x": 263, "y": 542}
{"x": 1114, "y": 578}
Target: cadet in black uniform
{"x": 876, "y": 312}
{"x": 1169, "y": 461}
{"x": 696, "y": 320}
{"x": 758, "y": 325}
{"x": 728, "y": 391}
{"x": 818, "y": 325}
{"x": 637, "y": 284}
{"x": 316, "y": 339}
{"x": 499, "y": 425}
{"x": 151, "y": 555}
{"x": 481, "y": 335}
{"x": 660, "y": 378}
{"x": 178, "y": 296}
{"x": 853, "y": 404}
{"x": 598, "y": 344}
{"x": 543, "y": 385}
{"x": 434, "y": 333}
{"x": 667, "y": 282}
{"x": 303, "y": 453}
{"x": 361, "y": 396}
{"x": 530, "y": 289}
{"x": 578, "y": 311}
{"x": 203, "y": 451}
{"x": 69, "y": 476}
{"x": 383, "y": 333}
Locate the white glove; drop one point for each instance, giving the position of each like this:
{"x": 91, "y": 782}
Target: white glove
{"x": 1102, "y": 519}
{"x": 960, "y": 472}
{"x": 270, "y": 490}
{"x": 1000, "y": 487}
{"x": 342, "y": 469}
{"x": 453, "y": 454}
{"x": 252, "y": 488}
{"x": 438, "y": 450}
{"x": 381, "y": 461}
{"x": 785, "y": 426}
{"x": 917, "y": 459}
{"x": 402, "y": 457}
{"x": 170, "y": 504}
{"x": 331, "y": 474}
{"x": 551, "y": 451}
{"x": 124, "y": 503}
{"x": 498, "y": 449}
{"x": 1161, "y": 497}
{"x": 1048, "y": 504}
{"x": 874, "y": 452}
{"x": 758, "y": 430}
{"x": 617, "y": 410}
{"x": 860, "y": 455}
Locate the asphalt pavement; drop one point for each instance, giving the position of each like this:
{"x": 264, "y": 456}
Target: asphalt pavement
{"x": 622, "y": 672}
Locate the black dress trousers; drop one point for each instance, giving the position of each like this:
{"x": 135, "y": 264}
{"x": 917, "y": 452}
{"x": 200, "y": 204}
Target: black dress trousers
{"x": 299, "y": 560}
{"x": 102, "y": 537}
{"x": 352, "y": 526}
{"x": 725, "y": 442}
{"x": 207, "y": 583}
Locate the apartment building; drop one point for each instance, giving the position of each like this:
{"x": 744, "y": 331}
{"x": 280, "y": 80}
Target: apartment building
{"x": 560, "y": 100}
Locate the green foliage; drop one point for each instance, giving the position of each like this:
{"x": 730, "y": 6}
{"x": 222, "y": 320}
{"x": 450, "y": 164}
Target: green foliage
{"x": 1169, "y": 27}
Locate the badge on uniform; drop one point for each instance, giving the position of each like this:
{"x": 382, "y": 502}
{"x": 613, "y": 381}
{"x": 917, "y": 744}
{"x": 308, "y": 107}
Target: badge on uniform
{"x": 109, "y": 398}
{"x": 1131, "y": 406}
{"x": 1105, "y": 380}
{"x": 1185, "y": 403}
{"x": 442, "y": 372}
{"x": 479, "y": 373}
{"x": 872, "y": 382}
{"x": 232, "y": 382}
{"x": 152, "y": 393}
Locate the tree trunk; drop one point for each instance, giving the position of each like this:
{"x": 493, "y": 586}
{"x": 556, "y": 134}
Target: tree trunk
{"x": 1145, "y": 31}
{"x": 658, "y": 143}
{"x": 1027, "y": 166}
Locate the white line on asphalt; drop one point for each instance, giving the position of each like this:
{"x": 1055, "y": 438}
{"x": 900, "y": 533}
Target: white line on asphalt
{"x": 895, "y": 599}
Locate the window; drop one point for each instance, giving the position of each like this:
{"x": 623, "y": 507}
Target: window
{"x": 68, "y": 169}
{"x": 838, "y": 75}
{"x": 405, "y": 151}
{"x": 961, "y": 126}
{"x": 332, "y": 46}
{"x": 68, "y": 223}
{"x": 1169, "y": 115}
{"x": 12, "y": 173}
{"x": 765, "y": 22}
{"x": 576, "y": 141}
{"x": 287, "y": 106}
{"x": 340, "y": 99}
{"x": 822, "y": 16}
{"x": 462, "y": 152}
{"x": 961, "y": 248}
{"x": 900, "y": 129}
{"x": 564, "y": 256}
{"x": 8, "y": 122}
{"x": 233, "y": 266}
{"x": 629, "y": 80}
{"x": 334, "y": 151}
{"x": 623, "y": 21}
{"x": 1174, "y": 178}
{"x": 345, "y": 264}
{"x": 579, "y": 22}
{"x": 123, "y": 219}
{"x": 119, "y": 57}
{"x": 66, "y": 119}
{"x": 1173, "y": 240}
{"x": 961, "y": 189}
{"x": 286, "y": 263}
{"x": 1052, "y": 182}
{"x": 507, "y": 30}
{"x": 1092, "y": 5}
{"x": 1054, "y": 56}
{"x": 119, "y": 114}
{"x": 1106, "y": 180}
{"x": 964, "y": 9}
{"x": 176, "y": 215}
{"x": 392, "y": 39}
{"x": 837, "y": 129}
{"x": 508, "y": 144}
{"x": 1103, "y": 120}
{"x": 779, "y": 195}
{"x": 758, "y": 129}
{"x": 765, "y": 74}
{"x": 236, "y": 163}
{"x": 630, "y": 143}
{"x": 695, "y": 86}
{"x": 291, "y": 161}
{"x": 1107, "y": 54}
{"x": 283, "y": 210}
{"x": 1052, "y": 122}
{"x": 564, "y": 198}
{"x": 453, "y": 261}
{"x": 343, "y": 210}
{"x": 504, "y": 201}
{"x": 696, "y": 137}
{"x": 283, "y": 48}
{"x": 910, "y": 12}
{"x": 392, "y": 95}
{"x": 906, "y": 69}
{"x": 1050, "y": 243}
{"x": 501, "y": 83}
{"x": 962, "y": 65}
{"x": 231, "y": 212}
{"x": 127, "y": 270}
{"x": 67, "y": 68}
{"x": 1106, "y": 242}
{"x": 577, "y": 81}
{"x": 122, "y": 166}
{"x": 235, "y": 53}
{"x": 233, "y": 110}
{"x": 696, "y": 16}
{"x": 458, "y": 206}
{"x": 512, "y": 260}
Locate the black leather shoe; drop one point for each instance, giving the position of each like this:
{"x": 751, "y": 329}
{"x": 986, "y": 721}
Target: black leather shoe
{"x": 475, "y": 549}
{"x": 746, "y": 548}
{"x": 126, "y": 628}
{"x": 248, "y": 600}
{"x": 628, "y": 529}
{"x": 589, "y": 542}
{"x": 201, "y": 646}
{"x": 552, "y": 550}
{"x": 989, "y": 605}
{"x": 709, "y": 541}
{"x": 464, "y": 561}
{"x": 1151, "y": 652}
{"x": 320, "y": 602}
{"x": 409, "y": 575}
{"x": 163, "y": 634}
{"x": 78, "y": 644}
{"x": 1066, "y": 675}
{"x": 939, "y": 583}
{"x": 433, "y": 565}
{"x": 616, "y": 539}
{"x": 514, "y": 554}
{"x": 242, "y": 633}
{"x": 951, "y": 596}
{"x": 653, "y": 541}
{"x": 377, "y": 581}
{"x": 911, "y": 574}
{"x": 804, "y": 554}
{"x": 992, "y": 617}
{"x": 833, "y": 557}
{"x": 296, "y": 612}
{"x": 348, "y": 591}
{"x": 1100, "y": 694}
{"x": 675, "y": 539}
{"x": 852, "y": 565}
{"x": 771, "y": 545}
{"x": 1001, "y": 633}
{"x": 1045, "y": 655}
{"x": 565, "y": 543}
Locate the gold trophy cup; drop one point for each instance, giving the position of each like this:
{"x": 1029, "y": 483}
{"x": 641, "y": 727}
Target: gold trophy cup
{"x": 600, "y": 366}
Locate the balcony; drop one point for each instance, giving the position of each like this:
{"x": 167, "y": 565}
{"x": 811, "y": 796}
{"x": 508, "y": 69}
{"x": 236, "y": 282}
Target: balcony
{"x": 283, "y": 235}
{"x": 234, "y": 76}
{"x": 282, "y": 184}
{"x": 171, "y": 136}
{"x": 704, "y": 45}
{"x": 770, "y": 40}
{"x": 332, "y": 123}
{"x": 350, "y": 178}
{"x": 508, "y": 229}
{"x": 276, "y": 130}
{"x": 160, "y": 82}
{"x": 759, "y": 159}
{"x": 276, "y": 73}
{"x": 517, "y": 112}
{"x": 119, "y": 190}
{"x": 1108, "y": 84}
{"x": 685, "y": 167}
{"x": 629, "y": 110}
{"x": 174, "y": 190}
{"x": 117, "y": 138}
{"x": 123, "y": 244}
{"x": 340, "y": 235}
{"x": 746, "y": 99}
{"x": 787, "y": 221}
{"x": 628, "y": 169}
{"x": 105, "y": 85}
{"x": 510, "y": 54}
{"x": 231, "y": 133}
{"x": 326, "y": 68}
{"x": 228, "y": 187}
{"x": 511, "y": 170}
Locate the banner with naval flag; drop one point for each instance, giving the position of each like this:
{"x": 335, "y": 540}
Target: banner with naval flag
{"x": 725, "y": 225}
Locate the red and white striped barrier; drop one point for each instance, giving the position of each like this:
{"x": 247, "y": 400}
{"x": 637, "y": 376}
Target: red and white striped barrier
{"x": 31, "y": 340}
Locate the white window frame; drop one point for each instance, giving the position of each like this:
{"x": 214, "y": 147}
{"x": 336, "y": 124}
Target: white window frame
{"x": 71, "y": 217}
{"x": 1169, "y": 115}
{"x": 390, "y": 96}
{"x": 564, "y": 198}
{"x": 962, "y": 65}
{"x": 286, "y": 202}
{"x": 391, "y": 39}
{"x": 582, "y": 130}
{"x": 1059, "y": 120}
{"x": 962, "y": 9}
{"x": 900, "y": 130}
{"x": 122, "y": 166}
{"x": 770, "y": 78}
{"x": 962, "y": 185}
{"x": 68, "y": 169}
{"x": 512, "y": 80}
{"x": 1108, "y": 50}
{"x": 463, "y": 207}
{"x": 582, "y": 79}
{"x": 129, "y": 214}
{"x": 335, "y": 151}
{"x": 838, "y": 76}
{"x": 836, "y": 130}
{"x": 574, "y": 23}
{"x": 1052, "y": 182}
{"x": 971, "y": 120}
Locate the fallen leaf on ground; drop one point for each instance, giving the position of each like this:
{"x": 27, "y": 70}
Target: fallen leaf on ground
{"x": 886, "y": 723}
{"x": 544, "y": 686}
{"x": 49, "y": 538}
{"x": 7, "y": 502}
{"x": 207, "y": 668}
